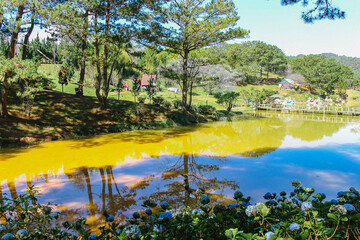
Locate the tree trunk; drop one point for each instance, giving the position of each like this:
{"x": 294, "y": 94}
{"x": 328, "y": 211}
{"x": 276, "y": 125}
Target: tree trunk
{"x": 103, "y": 187}
{"x": 190, "y": 97}
{"x": 90, "y": 194}
{"x": 82, "y": 70}
{"x": 98, "y": 65}
{"x": 260, "y": 79}
{"x": 80, "y": 92}
{"x": 6, "y": 85}
{"x": 27, "y": 36}
{"x": 185, "y": 80}
{"x": 267, "y": 75}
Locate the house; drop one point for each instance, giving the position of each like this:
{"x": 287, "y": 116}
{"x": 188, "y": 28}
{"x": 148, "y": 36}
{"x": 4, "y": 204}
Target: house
{"x": 146, "y": 78}
{"x": 287, "y": 84}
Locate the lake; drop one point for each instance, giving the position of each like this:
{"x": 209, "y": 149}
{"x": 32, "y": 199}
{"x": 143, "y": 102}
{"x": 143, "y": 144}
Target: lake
{"x": 256, "y": 154}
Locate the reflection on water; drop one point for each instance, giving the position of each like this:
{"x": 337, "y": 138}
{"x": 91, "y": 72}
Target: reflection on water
{"x": 117, "y": 172}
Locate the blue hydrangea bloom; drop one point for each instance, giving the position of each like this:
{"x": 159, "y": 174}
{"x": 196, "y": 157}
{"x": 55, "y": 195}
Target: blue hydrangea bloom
{"x": 272, "y": 201}
{"x": 148, "y": 211}
{"x": 294, "y": 227}
{"x": 268, "y": 195}
{"x": 136, "y": 215}
{"x": 352, "y": 195}
{"x": 118, "y": 231}
{"x": 306, "y": 206}
{"x": 334, "y": 201}
{"x": 268, "y": 235}
{"x": 159, "y": 228}
{"x": 2, "y": 228}
{"x": 166, "y": 215}
{"x": 164, "y": 205}
{"x": 205, "y": 200}
{"x": 195, "y": 211}
{"x": 22, "y": 233}
{"x": 230, "y": 205}
{"x": 150, "y": 218}
{"x": 273, "y": 227}
{"x": 92, "y": 237}
{"x": 110, "y": 218}
{"x": 349, "y": 207}
{"x": 7, "y": 236}
{"x": 236, "y": 205}
{"x": 132, "y": 231}
{"x": 341, "y": 194}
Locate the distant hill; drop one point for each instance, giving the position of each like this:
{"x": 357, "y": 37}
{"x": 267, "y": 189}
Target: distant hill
{"x": 351, "y": 62}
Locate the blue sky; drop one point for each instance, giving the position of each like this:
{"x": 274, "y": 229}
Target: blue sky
{"x": 282, "y": 26}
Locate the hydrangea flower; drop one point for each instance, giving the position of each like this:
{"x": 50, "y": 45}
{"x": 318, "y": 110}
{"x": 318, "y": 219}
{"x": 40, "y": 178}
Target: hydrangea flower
{"x": 230, "y": 205}
{"x": 339, "y": 209}
{"x": 110, "y": 218}
{"x": 250, "y": 210}
{"x": 259, "y": 206}
{"x": 268, "y": 195}
{"x": 150, "y": 218}
{"x": 352, "y": 195}
{"x": 268, "y": 235}
{"x": 195, "y": 211}
{"x": 238, "y": 195}
{"x": 132, "y": 231}
{"x": 164, "y": 205}
{"x": 334, "y": 201}
{"x": 341, "y": 194}
{"x": 349, "y": 207}
{"x": 294, "y": 227}
{"x": 273, "y": 227}
{"x": 118, "y": 231}
{"x": 159, "y": 228}
{"x": 92, "y": 237}
{"x": 22, "y": 233}
{"x": 236, "y": 205}
{"x": 148, "y": 211}
{"x": 306, "y": 206}
{"x": 2, "y": 228}
{"x": 166, "y": 215}
{"x": 7, "y": 236}
{"x": 205, "y": 200}
{"x": 219, "y": 208}
{"x": 136, "y": 215}
{"x": 272, "y": 202}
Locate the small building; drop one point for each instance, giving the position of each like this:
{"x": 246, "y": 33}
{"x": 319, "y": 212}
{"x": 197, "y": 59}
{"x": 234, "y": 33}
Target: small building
{"x": 287, "y": 84}
{"x": 146, "y": 78}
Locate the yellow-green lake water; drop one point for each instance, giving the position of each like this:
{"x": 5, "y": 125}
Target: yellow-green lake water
{"x": 116, "y": 172}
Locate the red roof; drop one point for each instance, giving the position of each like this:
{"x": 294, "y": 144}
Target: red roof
{"x": 145, "y": 79}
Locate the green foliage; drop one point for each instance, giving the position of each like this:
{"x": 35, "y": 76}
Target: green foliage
{"x": 159, "y": 100}
{"x": 150, "y": 89}
{"x": 167, "y": 104}
{"x": 177, "y": 104}
{"x": 141, "y": 99}
{"x": 228, "y": 99}
{"x": 301, "y": 214}
{"x": 322, "y": 73}
{"x": 206, "y": 109}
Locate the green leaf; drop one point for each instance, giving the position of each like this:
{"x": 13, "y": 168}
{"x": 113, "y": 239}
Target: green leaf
{"x": 332, "y": 216}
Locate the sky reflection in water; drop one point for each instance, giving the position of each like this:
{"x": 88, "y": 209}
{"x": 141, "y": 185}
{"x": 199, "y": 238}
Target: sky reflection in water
{"x": 255, "y": 155}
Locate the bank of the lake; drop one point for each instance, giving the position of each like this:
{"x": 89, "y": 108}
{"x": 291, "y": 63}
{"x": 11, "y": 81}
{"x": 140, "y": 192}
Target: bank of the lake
{"x": 58, "y": 116}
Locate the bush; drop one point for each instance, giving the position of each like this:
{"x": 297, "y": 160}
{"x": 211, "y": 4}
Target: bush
{"x": 177, "y": 104}
{"x": 167, "y": 104}
{"x": 158, "y": 100}
{"x": 141, "y": 99}
{"x": 206, "y": 109}
{"x": 301, "y": 214}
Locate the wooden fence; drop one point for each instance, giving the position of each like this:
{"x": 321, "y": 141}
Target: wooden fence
{"x": 306, "y": 109}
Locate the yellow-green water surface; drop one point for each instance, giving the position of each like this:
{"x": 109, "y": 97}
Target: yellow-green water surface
{"x": 115, "y": 172}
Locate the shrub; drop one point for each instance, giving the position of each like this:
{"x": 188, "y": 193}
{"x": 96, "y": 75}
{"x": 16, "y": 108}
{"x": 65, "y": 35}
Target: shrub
{"x": 177, "y": 104}
{"x": 167, "y": 104}
{"x": 206, "y": 109}
{"x": 141, "y": 99}
{"x": 158, "y": 100}
{"x": 301, "y": 214}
